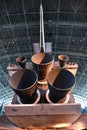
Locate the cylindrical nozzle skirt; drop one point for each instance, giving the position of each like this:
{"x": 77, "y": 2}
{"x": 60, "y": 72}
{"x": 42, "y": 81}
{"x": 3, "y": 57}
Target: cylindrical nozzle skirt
{"x": 24, "y": 84}
{"x": 60, "y": 83}
{"x": 42, "y": 64}
{"x": 21, "y": 60}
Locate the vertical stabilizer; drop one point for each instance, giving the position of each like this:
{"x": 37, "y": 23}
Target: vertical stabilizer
{"x": 42, "y": 43}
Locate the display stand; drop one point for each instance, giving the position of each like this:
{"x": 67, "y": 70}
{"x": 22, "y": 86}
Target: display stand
{"x": 43, "y": 115}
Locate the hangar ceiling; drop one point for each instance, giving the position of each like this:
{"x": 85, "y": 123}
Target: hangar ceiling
{"x": 65, "y": 25}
